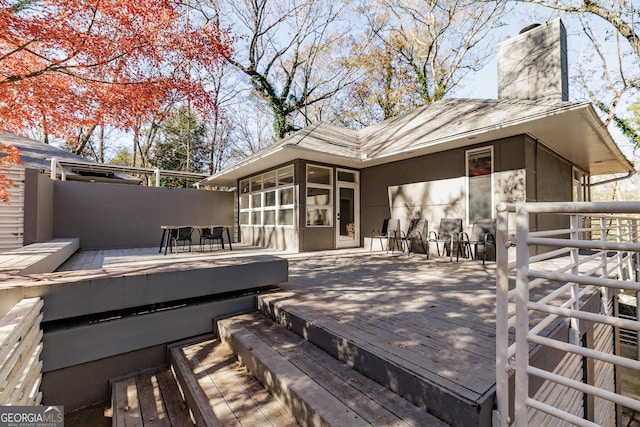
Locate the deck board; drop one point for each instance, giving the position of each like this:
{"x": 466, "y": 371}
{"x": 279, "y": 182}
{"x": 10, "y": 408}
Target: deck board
{"x": 231, "y": 394}
{"x": 376, "y": 406}
{"x": 149, "y": 399}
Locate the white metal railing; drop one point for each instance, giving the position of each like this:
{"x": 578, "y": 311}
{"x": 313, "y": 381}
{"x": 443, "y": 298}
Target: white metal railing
{"x": 567, "y": 276}
{"x": 58, "y": 168}
{"x": 20, "y": 348}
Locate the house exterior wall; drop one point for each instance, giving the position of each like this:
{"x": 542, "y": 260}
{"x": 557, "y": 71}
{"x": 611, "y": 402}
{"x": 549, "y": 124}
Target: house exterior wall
{"x": 549, "y": 179}
{"x": 12, "y": 211}
{"x": 109, "y": 215}
{"x": 429, "y": 187}
{"x": 435, "y": 186}
{"x": 300, "y": 237}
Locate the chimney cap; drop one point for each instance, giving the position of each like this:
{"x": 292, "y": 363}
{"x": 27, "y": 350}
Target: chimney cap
{"x": 529, "y": 27}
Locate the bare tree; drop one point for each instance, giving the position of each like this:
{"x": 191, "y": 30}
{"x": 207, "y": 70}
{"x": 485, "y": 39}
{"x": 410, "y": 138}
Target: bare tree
{"x": 281, "y": 46}
{"x": 616, "y": 66}
{"x": 437, "y": 40}
{"x": 623, "y": 15}
{"x": 607, "y": 93}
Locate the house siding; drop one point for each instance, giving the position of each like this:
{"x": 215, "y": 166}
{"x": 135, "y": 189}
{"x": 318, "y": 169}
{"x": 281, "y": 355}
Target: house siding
{"x": 429, "y": 187}
{"x": 434, "y": 186}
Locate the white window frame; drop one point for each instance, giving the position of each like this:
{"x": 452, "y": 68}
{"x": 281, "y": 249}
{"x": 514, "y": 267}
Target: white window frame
{"x": 250, "y": 210}
{"x": 492, "y": 175}
{"x": 329, "y": 187}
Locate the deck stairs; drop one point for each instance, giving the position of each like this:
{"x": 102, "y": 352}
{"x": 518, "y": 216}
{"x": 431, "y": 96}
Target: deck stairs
{"x": 257, "y": 372}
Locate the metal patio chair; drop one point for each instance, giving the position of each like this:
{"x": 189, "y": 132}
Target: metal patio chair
{"x": 482, "y": 234}
{"x": 448, "y": 234}
{"x": 211, "y": 235}
{"x": 390, "y": 232}
{"x": 416, "y": 233}
{"x": 180, "y": 234}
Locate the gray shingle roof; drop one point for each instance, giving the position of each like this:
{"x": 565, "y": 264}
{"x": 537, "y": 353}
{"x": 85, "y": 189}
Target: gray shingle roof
{"x": 572, "y": 129}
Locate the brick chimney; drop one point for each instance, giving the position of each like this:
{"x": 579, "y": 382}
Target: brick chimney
{"x": 533, "y": 65}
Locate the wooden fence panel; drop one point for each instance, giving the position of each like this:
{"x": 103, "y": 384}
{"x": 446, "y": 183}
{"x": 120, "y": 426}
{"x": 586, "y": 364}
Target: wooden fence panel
{"x": 20, "y": 348}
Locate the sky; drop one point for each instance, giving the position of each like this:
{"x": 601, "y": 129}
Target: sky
{"x": 483, "y": 83}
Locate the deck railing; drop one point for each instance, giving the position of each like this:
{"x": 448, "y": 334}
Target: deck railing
{"x": 20, "y": 348}
{"x": 590, "y": 255}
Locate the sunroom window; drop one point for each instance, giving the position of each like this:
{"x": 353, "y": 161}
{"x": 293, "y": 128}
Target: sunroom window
{"x": 268, "y": 198}
{"x": 319, "y": 196}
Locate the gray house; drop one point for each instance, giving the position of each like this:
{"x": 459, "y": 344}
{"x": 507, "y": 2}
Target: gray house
{"x": 327, "y": 187}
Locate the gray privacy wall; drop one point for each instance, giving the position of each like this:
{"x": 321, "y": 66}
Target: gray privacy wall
{"x": 105, "y": 215}
{"x": 38, "y": 207}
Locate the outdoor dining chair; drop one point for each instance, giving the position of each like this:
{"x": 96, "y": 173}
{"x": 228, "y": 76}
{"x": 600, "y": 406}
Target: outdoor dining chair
{"x": 416, "y": 233}
{"x": 448, "y": 234}
{"x": 482, "y": 234}
{"x": 390, "y": 232}
{"x": 180, "y": 234}
{"x": 211, "y": 235}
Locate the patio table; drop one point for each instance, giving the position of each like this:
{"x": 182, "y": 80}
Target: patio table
{"x": 166, "y": 233}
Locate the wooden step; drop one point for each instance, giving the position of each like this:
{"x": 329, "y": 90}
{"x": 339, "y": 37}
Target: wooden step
{"x": 318, "y": 389}
{"x": 221, "y": 392}
{"x": 148, "y": 399}
{"x": 385, "y": 354}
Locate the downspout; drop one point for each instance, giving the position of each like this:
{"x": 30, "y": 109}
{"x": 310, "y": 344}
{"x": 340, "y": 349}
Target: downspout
{"x": 608, "y": 181}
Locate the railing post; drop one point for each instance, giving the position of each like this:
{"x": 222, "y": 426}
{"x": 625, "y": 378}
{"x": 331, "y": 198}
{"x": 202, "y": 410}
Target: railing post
{"x": 603, "y": 238}
{"x": 157, "y": 171}
{"x": 522, "y": 316}
{"x": 574, "y": 328}
{"x": 501, "y": 415}
{"x": 619, "y": 252}
{"x": 54, "y": 173}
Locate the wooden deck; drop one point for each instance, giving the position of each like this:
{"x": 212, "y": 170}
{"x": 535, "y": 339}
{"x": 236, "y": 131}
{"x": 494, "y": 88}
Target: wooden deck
{"x": 432, "y": 318}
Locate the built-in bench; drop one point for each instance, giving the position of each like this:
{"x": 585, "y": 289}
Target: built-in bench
{"x": 38, "y": 258}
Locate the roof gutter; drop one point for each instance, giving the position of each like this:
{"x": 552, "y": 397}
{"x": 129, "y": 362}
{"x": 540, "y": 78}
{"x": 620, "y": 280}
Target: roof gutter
{"x": 609, "y": 181}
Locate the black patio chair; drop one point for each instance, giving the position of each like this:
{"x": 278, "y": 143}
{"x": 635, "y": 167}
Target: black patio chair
{"x": 211, "y": 235}
{"x": 482, "y": 234}
{"x": 390, "y": 232}
{"x": 416, "y": 233}
{"x": 448, "y": 234}
{"x": 180, "y": 234}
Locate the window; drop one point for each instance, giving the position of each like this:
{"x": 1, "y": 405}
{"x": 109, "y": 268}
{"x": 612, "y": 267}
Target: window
{"x": 319, "y": 196}
{"x": 268, "y": 199}
{"x": 479, "y": 184}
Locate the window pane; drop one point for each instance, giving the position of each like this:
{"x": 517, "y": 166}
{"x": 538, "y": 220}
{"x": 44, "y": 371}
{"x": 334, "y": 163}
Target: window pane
{"x": 269, "y": 217}
{"x": 270, "y": 198}
{"x": 285, "y": 175}
{"x": 269, "y": 180}
{"x": 480, "y": 163}
{"x": 318, "y": 175}
{"x": 256, "y": 200}
{"x": 285, "y": 217}
{"x": 346, "y": 176}
{"x": 318, "y": 217}
{"x": 244, "y": 186}
{"x": 286, "y": 196}
{"x": 244, "y": 218}
{"x": 256, "y": 218}
{"x": 318, "y": 196}
{"x": 479, "y": 197}
{"x": 244, "y": 202}
{"x": 256, "y": 184}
